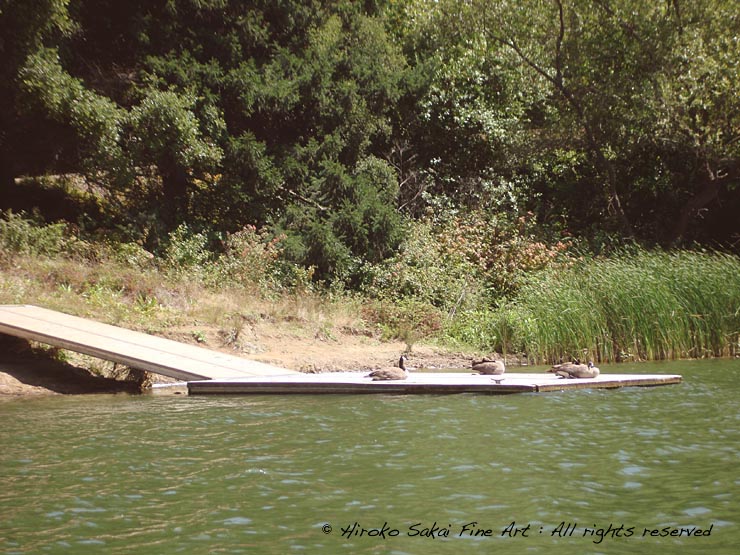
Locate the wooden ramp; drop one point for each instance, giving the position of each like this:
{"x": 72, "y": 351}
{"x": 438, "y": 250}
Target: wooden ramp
{"x": 423, "y": 382}
{"x": 134, "y": 349}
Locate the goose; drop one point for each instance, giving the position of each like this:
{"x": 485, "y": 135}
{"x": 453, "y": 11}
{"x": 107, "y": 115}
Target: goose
{"x": 391, "y": 373}
{"x": 574, "y": 370}
{"x": 489, "y": 366}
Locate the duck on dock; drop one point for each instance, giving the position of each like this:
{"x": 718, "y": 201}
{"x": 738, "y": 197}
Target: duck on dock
{"x": 489, "y": 366}
{"x": 575, "y": 370}
{"x": 391, "y": 373}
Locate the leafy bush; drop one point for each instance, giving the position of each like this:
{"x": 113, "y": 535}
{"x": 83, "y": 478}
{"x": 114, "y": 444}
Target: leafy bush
{"x": 407, "y": 320}
{"x": 250, "y": 257}
{"x": 187, "y": 251}
{"x": 463, "y": 263}
{"x": 22, "y": 235}
{"x": 355, "y": 222}
{"x": 130, "y": 254}
{"x": 424, "y": 270}
{"x": 501, "y": 251}
{"x": 477, "y": 328}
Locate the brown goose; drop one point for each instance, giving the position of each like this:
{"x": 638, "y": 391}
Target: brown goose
{"x": 574, "y": 370}
{"x": 391, "y": 373}
{"x": 489, "y": 366}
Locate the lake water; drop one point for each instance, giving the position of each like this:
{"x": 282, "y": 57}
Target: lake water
{"x": 599, "y": 471}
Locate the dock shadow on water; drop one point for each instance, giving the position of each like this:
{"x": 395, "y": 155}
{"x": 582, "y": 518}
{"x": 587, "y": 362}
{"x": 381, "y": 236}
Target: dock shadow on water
{"x": 638, "y": 470}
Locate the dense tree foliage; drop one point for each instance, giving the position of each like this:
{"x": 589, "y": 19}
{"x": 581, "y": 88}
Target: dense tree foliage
{"x": 334, "y": 122}
{"x": 626, "y": 115}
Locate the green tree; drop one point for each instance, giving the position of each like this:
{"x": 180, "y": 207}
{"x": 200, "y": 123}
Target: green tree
{"x": 25, "y": 28}
{"x": 695, "y": 112}
{"x": 342, "y": 196}
{"x": 165, "y": 134}
{"x": 625, "y": 117}
{"x": 94, "y": 120}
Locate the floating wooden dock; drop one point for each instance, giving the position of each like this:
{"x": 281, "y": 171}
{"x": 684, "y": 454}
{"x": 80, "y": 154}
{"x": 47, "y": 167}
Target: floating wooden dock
{"x": 135, "y": 349}
{"x": 422, "y": 382}
{"x": 213, "y": 372}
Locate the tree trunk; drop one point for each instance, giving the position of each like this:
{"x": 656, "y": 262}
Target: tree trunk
{"x": 613, "y": 202}
{"x": 7, "y": 173}
{"x": 175, "y": 189}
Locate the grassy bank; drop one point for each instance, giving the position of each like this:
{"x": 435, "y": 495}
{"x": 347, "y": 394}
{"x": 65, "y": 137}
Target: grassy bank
{"x": 632, "y": 305}
{"x": 185, "y": 289}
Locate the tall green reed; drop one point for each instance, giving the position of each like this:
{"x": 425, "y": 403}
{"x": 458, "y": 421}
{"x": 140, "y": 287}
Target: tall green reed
{"x": 637, "y": 304}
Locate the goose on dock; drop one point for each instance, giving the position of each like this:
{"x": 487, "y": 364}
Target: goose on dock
{"x": 391, "y": 373}
{"x": 575, "y": 370}
{"x": 489, "y": 366}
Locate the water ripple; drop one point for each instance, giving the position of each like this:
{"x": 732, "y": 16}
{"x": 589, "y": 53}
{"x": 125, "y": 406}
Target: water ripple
{"x": 256, "y": 475}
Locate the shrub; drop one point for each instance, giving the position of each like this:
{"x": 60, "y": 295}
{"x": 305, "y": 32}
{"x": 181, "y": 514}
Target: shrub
{"x": 423, "y": 271}
{"x": 187, "y": 252}
{"x": 250, "y": 257}
{"x": 354, "y": 221}
{"x": 475, "y": 328}
{"x": 130, "y": 254}
{"x": 22, "y": 235}
{"x": 500, "y": 251}
{"x": 462, "y": 263}
{"x": 408, "y": 320}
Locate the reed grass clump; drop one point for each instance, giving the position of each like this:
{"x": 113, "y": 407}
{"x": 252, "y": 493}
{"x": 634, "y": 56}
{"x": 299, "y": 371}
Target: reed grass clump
{"x": 638, "y": 304}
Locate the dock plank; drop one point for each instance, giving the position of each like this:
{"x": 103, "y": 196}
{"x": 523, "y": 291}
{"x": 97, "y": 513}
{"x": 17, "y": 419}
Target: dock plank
{"x": 422, "y": 382}
{"x": 135, "y": 349}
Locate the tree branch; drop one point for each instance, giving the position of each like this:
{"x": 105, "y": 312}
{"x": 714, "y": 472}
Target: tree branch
{"x": 677, "y": 9}
{"x": 559, "y": 44}
{"x": 303, "y": 199}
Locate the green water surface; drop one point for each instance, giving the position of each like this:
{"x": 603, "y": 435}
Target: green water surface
{"x": 588, "y": 471}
